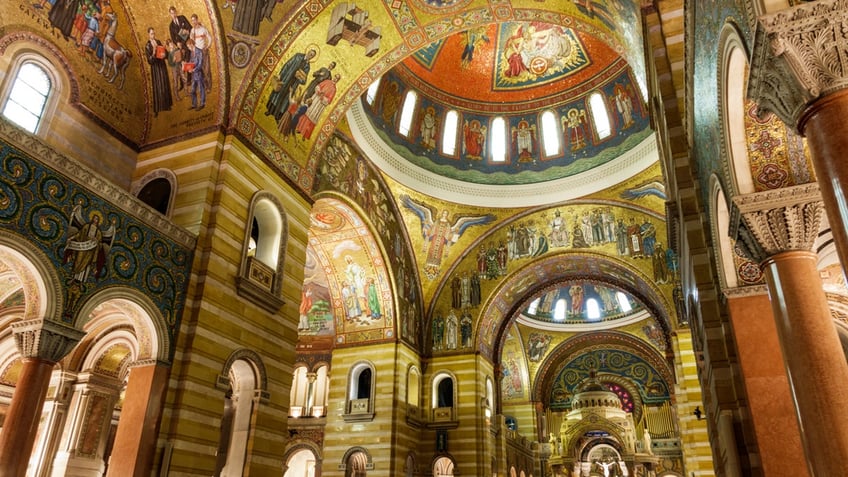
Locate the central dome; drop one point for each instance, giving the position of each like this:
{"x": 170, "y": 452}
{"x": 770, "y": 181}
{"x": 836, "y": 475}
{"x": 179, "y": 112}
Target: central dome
{"x": 509, "y": 104}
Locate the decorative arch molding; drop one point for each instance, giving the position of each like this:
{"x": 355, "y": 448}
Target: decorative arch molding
{"x": 9, "y": 41}
{"x": 256, "y": 363}
{"x": 94, "y": 345}
{"x": 369, "y": 462}
{"x": 150, "y": 327}
{"x": 299, "y": 444}
{"x": 570, "y": 349}
{"x": 732, "y": 76}
{"x": 160, "y": 173}
{"x": 719, "y": 214}
{"x": 516, "y": 291}
{"x": 40, "y": 280}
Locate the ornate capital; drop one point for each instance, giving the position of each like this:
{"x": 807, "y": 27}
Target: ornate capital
{"x": 767, "y": 223}
{"x": 45, "y": 339}
{"x": 800, "y": 54}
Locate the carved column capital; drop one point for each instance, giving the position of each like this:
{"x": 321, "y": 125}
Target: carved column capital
{"x": 45, "y": 339}
{"x": 767, "y": 223}
{"x": 800, "y": 54}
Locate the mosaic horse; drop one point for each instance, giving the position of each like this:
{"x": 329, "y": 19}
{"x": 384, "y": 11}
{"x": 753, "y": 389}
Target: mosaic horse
{"x": 116, "y": 58}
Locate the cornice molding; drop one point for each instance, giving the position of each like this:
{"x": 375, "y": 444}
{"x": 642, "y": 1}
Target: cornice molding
{"x": 800, "y": 54}
{"x": 45, "y": 339}
{"x": 767, "y": 223}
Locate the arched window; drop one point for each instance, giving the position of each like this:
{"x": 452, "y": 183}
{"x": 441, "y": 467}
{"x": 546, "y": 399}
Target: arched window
{"x": 623, "y": 302}
{"x": 593, "y": 311}
{"x": 443, "y": 397}
{"x": 299, "y": 393}
{"x": 600, "y": 115}
{"x": 407, "y": 113}
{"x": 371, "y": 93}
{"x": 534, "y": 306}
{"x": 320, "y": 392}
{"x": 157, "y": 189}
{"x": 498, "y": 140}
{"x": 550, "y": 134}
{"x": 27, "y": 98}
{"x": 559, "y": 309}
{"x": 261, "y": 274}
{"x": 360, "y": 395}
{"x": 449, "y": 133}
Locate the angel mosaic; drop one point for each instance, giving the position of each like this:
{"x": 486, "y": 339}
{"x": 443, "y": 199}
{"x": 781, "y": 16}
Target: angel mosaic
{"x": 439, "y": 232}
{"x": 87, "y": 245}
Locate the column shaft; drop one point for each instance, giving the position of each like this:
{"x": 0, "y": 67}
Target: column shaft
{"x": 21, "y": 425}
{"x": 135, "y": 440}
{"x": 769, "y": 396}
{"x": 827, "y": 136}
{"x": 815, "y": 364}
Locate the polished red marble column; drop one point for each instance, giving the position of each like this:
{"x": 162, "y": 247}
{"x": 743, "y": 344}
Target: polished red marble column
{"x": 767, "y": 387}
{"x": 824, "y": 124}
{"x": 815, "y": 364}
{"x": 21, "y": 424}
{"x": 135, "y": 440}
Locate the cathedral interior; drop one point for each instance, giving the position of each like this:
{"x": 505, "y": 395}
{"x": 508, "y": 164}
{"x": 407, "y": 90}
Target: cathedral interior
{"x": 535, "y": 238}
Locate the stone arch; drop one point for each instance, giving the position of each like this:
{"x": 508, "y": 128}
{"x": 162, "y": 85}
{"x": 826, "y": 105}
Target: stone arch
{"x": 256, "y": 363}
{"x": 40, "y": 282}
{"x": 138, "y": 310}
{"x": 516, "y": 291}
{"x": 577, "y": 345}
{"x": 369, "y": 463}
{"x": 299, "y": 445}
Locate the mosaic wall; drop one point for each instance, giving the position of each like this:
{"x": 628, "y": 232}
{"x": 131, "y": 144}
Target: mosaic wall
{"x": 92, "y": 243}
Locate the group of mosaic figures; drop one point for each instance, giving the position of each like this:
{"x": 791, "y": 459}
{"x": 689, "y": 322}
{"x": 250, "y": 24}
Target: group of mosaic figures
{"x": 450, "y": 332}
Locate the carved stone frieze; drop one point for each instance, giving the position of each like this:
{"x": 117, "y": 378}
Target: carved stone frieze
{"x": 800, "y": 54}
{"x": 767, "y": 223}
{"x": 45, "y": 339}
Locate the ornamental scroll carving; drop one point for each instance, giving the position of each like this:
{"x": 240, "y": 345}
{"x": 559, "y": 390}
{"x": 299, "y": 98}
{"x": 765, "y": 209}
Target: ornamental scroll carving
{"x": 767, "y": 223}
{"x": 44, "y": 339}
{"x": 800, "y": 54}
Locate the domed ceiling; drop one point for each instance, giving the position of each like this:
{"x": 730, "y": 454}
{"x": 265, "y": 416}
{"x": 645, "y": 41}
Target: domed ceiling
{"x": 507, "y": 104}
{"x": 581, "y": 303}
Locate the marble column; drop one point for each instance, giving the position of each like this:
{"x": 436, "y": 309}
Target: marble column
{"x": 135, "y": 440}
{"x": 799, "y": 71}
{"x": 42, "y": 344}
{"x": 766, "y": 385}
{"x": 778, "y": 229}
